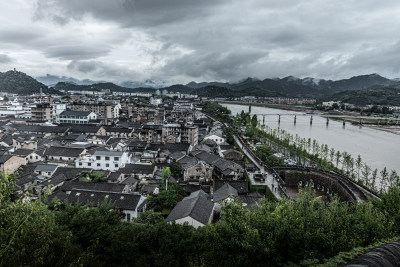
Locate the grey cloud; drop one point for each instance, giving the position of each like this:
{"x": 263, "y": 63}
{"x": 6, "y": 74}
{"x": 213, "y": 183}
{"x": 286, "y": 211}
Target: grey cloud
{"x": 224, "y": 65}
{"x": 76, "y": 52}
{"x": 229, "y": 40}
{"x": 18, "y": 35}
{"x": 385, "y": 58}
{"x": 5, "y": 59}
{"x": 99, "y": 70}
{"x": 125, "y": 12}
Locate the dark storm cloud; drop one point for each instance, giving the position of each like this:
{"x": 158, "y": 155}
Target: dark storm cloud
{"x": 226, "y": 65}
{"x": 232, "y": 39}
{"x": 76, "y": 52}
{"x": 125, "y": 12}
{"x": 5, "y": 59}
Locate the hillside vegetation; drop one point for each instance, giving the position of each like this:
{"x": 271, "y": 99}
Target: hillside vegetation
{"x": 19, "y": 83}
{"x": 371, "y": 96}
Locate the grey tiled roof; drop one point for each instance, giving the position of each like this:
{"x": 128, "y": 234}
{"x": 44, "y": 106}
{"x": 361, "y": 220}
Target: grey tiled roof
{"x": 106, "y": 187}
{"x": 108, "y": 153}
{"x": 75, "y": 113}
{"x": 137, "y": 168}
{"x": 197, "y": 207}
{"x": 242, "y": 187}
{"x": 94, "y": 198}
{"x": 46, "y": 167}
{"x": 224, "y": 192}
{"x": 63, "y": 151}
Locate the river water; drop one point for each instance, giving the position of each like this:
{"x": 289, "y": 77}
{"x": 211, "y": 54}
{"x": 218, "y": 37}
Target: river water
{"x": 378, "y": 149}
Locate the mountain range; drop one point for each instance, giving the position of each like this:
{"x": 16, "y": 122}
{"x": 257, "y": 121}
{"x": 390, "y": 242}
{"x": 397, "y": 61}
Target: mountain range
{"x": 19, "y": 82}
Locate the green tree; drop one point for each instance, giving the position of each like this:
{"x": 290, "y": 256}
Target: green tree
{"x": 366, "y": 172}
{"x": 166, "y": 173}
{"x": 358, "y": 166}
{"x": 254, "y": 121}
{"x": 175, "y": 169}
{"x": 384, "y": 179}
{"x": 373, "y": 179}
{"x": 150, "y": 217}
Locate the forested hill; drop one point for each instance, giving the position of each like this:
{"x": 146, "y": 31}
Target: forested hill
{"x": 297, "y": 87}
{"x": 346, "y": 90}
{"x": 19, "y": 83}
{"x": 217, "y": 91}
{"x": 389, "y": 95}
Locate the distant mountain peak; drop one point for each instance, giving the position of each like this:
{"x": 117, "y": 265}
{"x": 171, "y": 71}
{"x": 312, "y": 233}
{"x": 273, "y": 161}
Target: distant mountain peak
{"x": 248, "y": 80}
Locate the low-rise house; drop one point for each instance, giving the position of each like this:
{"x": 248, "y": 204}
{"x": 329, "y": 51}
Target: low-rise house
{"x": 223, "y": 169}
{"x": 196, "y": 210}
{"x": 150, "y": 189}
{"x": 63, "y": 154}
{"x": 76, "y": 117}
{"x": 9, "y": 163}
{"x": 31, "y": 156}
{"x": 68, "y": 186}
{"x": 225, "y": 193}
{"x": 130, "y": 182}
{"x": 232, "y": 154}
{"x": 120, "y": 132}
{"x": 138, "y": 171}
{"x": 194, "y": 169}
{"x": 130, "y": 206}
{"x": 38, "y": 129}
{"x": 24, "y": 142}
{"x": 103, "y": 160}
{"x": 87, "y": 129}
{"x": 46, "y": 170}
{"x": 216, "y": 138}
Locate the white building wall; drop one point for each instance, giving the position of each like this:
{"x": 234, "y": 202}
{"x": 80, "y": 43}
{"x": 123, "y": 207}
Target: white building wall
{"x": 102, "y": 164}
{"x": 215, "y": 138}
{"x": 190, "y": 221}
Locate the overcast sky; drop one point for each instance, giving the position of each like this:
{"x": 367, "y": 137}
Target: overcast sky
{"x": 200, "y": 40}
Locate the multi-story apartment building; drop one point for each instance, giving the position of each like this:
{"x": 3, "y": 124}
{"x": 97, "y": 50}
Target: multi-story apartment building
{"x": 42, "y": 112}
{"x": 109, "y": 111}
{"x": 187, "y": 134}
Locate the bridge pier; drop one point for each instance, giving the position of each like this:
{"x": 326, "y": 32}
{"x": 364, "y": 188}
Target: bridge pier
{"x": 311, "y": 120}
{"x": 294, "y": 119}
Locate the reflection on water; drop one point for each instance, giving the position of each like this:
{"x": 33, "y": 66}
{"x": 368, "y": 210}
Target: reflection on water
{"x": 377, "y": 148}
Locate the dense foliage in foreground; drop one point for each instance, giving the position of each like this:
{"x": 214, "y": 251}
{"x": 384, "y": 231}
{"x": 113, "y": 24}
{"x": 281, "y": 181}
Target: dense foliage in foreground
{"x": 302, "y": 232}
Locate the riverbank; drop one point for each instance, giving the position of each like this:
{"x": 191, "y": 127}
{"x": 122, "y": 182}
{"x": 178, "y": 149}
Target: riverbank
{"x": 385, "y": 124}
{"x": 274, "y": 106}
{"x": 376, "y": 145}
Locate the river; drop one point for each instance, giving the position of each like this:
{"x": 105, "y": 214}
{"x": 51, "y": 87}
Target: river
{"x": 378, "y": 149}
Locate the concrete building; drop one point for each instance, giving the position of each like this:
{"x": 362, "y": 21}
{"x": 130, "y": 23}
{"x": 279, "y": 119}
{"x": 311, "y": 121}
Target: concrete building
{"x": 186, "y": 134}
{"x": 58, "y": 109}
{"x": 42, "y": 112}
{"x": 109, "y": 111}
{"x": 77, "y": 117}
{"x": 103, "y": 160}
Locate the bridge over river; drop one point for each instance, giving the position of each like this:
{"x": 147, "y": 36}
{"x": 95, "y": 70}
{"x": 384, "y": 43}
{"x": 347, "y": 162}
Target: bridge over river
{"x": 361, "y": 119}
